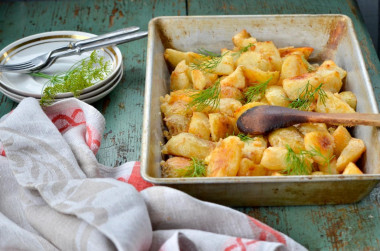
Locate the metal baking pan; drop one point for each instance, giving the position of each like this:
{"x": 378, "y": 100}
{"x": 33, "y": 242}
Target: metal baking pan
{"x": 331, "y": 36}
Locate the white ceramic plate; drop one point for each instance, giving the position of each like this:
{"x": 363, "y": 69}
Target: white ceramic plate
{"x": 32, "y": 46}
{"x": 89, "y": 97}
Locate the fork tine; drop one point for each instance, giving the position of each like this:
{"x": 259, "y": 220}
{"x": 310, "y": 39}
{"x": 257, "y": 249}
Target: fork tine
{"x": 17, "y": 66}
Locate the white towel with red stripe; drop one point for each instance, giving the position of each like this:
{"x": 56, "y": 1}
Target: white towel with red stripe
{"x": 55, "y": 195}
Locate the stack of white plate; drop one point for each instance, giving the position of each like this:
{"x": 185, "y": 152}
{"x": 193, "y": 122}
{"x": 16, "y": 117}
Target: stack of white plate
{"x": 18, "y": 86}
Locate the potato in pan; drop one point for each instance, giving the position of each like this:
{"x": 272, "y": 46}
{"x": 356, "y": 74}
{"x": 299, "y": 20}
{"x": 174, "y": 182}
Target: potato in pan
{"x": 210, "y": 91}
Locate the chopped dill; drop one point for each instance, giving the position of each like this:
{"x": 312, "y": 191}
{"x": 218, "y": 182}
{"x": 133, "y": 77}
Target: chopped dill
{"x": 208, "y": 62}
{"x": 297, "y": 162}
{"x": 81, "y": 75}
{"x": 243, "y": 49}
{"x": 310, "y": 68}
{"x": 207, "y": 53}
{"x": 243, "y": 137}
{"x": 197, "y": 168}
{"x": 256, "y": 92}
{"x": 326, "y": 160}
{"x": 307, "y": 96}
{"x": 209, "y": 97}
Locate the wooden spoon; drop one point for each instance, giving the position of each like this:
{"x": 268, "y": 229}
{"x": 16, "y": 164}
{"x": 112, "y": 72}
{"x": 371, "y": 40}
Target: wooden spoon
{"x": 266, "y": 118}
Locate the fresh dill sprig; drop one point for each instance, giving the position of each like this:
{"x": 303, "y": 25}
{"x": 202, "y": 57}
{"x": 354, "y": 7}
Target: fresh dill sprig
{"x": 208, "y": 62}
{"x": 197, "y": 168}
{"x": 326, "y": 161}
{"x": 243, "y": 137}
{"x": 209, "y": 97}
{"x": 297, "y": 162}
{"x": 81, "y": 75}
{"x": 307, "y": 97}
{"x": 310, "y": 68}
{"x": 243, "y": 49}
{"x": 255, "y": 93}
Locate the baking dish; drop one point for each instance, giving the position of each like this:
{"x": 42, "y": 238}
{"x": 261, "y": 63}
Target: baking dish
{"x": 332, "y": 37}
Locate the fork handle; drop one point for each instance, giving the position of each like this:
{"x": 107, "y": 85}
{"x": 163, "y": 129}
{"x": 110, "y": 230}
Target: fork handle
{"x": 101, "y": 44}
{"x": 105, "y": 36}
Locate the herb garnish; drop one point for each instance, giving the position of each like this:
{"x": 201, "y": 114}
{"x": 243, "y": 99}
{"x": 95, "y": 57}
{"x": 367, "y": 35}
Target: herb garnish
{"x": 326, "y": 161}
{"x": 208, "y": 62}
{"x": 244, "y": 137}
{"x": 81, "y": 75}
{"x": 297, "y": 162}
{"x": 256, "y": 92}
{"x": 209, "y": 97}
{"x": 307, "y": 97}
{"x": 197, "y": 168}
{"x": 243, "y": 49}
{"x": 310, "y": 68}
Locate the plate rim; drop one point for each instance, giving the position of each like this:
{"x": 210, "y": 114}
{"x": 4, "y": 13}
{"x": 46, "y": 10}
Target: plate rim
{"x": 112, "y": 50}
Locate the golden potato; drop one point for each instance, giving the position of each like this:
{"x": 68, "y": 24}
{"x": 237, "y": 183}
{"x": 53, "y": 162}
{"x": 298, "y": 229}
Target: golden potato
{"x": 289, "y": 136}
{"x": 332, "y": 104}
{"x": 245, "y": 107}
{"x": 173, "y": 166}
{"x": 264, "y": 56}
{"x": 243, "y": 39}
{"x": 200, "y": 126}
{"x": 253, "y": 149}
{"x": 202, "y": 80}
{"x": 179, "y": 78}
{"x": 220, "y": 126}
{"x": 295, "y": 86}
{"x": 275, "y": 95}
{"x": 323, "y": 143}
{"x": 228, "y": 106}
{"x": 177, "y": 123}
{"x": 303, "y": 51}
{"x": 331, "y": 80}
{"x": 174, "y": 57}
{"x": 352, "y": 169}
{"x": 317, "y": 173}
{"x": 268, "y": 54}
{"x": 329, "y": 168}
{"x": 348, "y": 97}
{"x": 188, "y": 145}
{"x": 225, "y": 159}
{"x": 330, "y": 65}
{"x": 351, "y": 153}
{"x": 231, "y": 92}
{"x": 249, "y": 168}
{"x": 176, "y": 103}
{"x": 293, "y": 65}
{"x": 311, "y": 127}
{"x": 235, "y": 79}
{"x": 341, "y": 139}
{"x": 257, "y": 76}
{"x": 274, "y": 158}
{"x": 226, "y": 66}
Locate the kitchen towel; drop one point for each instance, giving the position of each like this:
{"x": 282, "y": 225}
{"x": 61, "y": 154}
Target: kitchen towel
{"x": 55, "y": 195}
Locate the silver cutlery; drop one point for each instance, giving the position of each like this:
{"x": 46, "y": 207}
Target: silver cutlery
{"x": 75, "y": 48}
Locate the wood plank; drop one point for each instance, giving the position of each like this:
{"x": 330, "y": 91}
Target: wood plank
{"x": 349, "y": 227}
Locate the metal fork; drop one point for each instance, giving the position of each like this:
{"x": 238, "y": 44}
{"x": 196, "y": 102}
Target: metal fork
{"x": 45, "y": 60}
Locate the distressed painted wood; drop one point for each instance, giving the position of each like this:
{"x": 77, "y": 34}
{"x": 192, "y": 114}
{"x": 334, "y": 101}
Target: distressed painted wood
{"x": 340, "y": 227}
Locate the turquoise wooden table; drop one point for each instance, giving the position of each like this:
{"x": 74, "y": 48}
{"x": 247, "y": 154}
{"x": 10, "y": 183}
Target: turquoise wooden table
{"x": 340, "y": 227}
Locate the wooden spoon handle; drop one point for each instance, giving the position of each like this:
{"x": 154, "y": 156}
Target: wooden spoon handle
{"x": 346, "y": 119}
{"x": 263, "y": 119}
